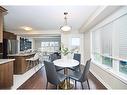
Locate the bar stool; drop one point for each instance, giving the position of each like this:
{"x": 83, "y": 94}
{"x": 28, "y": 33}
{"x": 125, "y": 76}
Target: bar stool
{"x": 33, "y": 61}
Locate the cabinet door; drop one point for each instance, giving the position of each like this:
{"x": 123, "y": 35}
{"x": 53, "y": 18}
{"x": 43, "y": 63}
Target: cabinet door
{"x": 6, "y": 75}
{"x": 1, "y": 27}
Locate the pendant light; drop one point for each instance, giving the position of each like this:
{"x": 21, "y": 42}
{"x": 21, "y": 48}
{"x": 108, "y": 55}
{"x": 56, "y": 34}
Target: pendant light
{"x": 65, "y": 27}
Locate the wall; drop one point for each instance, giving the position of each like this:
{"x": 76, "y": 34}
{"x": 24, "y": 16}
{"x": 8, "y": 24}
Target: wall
{"x": 104, "y": 75}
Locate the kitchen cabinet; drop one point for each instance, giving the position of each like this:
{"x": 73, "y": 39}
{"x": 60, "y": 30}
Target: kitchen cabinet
{"x": 6, "y": 73}
{"x": 2, "y": 11}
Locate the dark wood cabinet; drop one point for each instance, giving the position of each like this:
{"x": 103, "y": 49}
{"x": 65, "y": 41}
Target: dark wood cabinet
{"x": 2, "y": 10}
{"x": 20, "y": 63}
{"x": 6, "y": 75}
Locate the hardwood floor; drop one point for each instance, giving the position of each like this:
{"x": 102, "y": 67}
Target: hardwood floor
{"x": 38, "y": 81}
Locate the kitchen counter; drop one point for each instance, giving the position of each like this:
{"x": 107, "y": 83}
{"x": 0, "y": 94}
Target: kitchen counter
{"x": 20, "y": 63}
{"x": 4, "y": 61}
{"x": 21, "y": 54}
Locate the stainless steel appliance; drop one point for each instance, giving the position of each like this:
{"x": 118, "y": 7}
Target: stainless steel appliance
{"x": 9, "y": 47}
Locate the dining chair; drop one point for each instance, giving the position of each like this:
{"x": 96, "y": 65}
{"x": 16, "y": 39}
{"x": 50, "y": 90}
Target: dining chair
{"x": 32, "y": 61}
{"x": 54, "y": 57}
{"x": 53, "y": 77}
{"x": 78, "y": 58}
{"x": 81, "y": 77}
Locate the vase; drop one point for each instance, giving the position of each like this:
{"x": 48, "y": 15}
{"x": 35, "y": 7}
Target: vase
{"x": 65, "y": 56}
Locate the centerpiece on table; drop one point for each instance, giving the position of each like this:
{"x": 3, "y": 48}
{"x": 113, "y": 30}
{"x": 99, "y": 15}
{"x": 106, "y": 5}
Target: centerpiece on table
{"x": 65, "y": 51}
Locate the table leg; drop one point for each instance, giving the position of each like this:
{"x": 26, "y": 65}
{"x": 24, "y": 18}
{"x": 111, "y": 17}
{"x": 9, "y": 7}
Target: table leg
{"x": 66, "y": 84}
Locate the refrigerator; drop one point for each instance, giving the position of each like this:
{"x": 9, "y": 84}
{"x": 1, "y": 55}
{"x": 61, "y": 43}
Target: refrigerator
{"x": 9, "y": 47}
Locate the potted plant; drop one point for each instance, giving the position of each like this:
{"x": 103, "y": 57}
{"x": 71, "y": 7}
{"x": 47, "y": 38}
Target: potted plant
{"x": 65, "y": 51}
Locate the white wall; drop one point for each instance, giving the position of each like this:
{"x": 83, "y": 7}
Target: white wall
{"x": 107, "y": 78}
{"x": 66, "y": 40}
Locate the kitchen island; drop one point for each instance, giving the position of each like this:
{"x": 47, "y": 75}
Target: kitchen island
{"x": 6, "y": 73}
{"x": 20, "y": 63}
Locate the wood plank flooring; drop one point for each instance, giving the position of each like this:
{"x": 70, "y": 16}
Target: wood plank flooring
{"x": 38, "y": 81}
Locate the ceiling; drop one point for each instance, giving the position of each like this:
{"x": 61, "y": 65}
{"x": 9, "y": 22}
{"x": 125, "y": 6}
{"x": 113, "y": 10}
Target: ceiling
{"x": 46, "y": 17}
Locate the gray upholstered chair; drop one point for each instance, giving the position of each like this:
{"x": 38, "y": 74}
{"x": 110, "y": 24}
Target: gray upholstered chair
{"x": 53, "y": 57}
{"x": 81, "y": 77}
{"x": 52, "y": 76}
{"x": 78, "y": 58}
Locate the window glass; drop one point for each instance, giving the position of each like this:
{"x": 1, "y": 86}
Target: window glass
{"x": 107, "y": 61}
{"x": 75, "y": 41}
{"x": 123, "y": 67}
{"x": 106, "y": 44}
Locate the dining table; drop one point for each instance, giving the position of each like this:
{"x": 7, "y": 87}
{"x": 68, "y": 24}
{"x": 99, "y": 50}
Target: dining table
{"x": 66, "y": 63}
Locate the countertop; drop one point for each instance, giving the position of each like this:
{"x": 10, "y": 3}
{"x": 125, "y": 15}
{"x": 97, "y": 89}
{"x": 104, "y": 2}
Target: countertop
{"x": 3, "y": 61}
{"x": 21, "y": 54}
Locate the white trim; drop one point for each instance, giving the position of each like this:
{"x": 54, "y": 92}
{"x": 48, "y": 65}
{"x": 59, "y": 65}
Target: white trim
{"x": 111, "y": 18}
{"x": 111, "y": 72}
{"x": 113, "y": 57}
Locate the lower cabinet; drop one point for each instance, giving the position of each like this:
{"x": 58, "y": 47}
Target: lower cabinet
{"x": 6, "y": 75}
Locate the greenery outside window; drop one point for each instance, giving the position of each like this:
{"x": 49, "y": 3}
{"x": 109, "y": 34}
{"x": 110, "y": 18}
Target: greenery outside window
{"x": 107, "y": 61}
{"x": 97, "y": 57}
{"x": 123, "y": 67}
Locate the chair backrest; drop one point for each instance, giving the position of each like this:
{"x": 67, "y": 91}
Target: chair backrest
{"x": 77, "y": 57}
{"x": 51, "y": 73}
{"x": 58, "y": 55}
{"x": 85, "y": 71}
{"x": 36, "y": 56}
{"x": 53, "y": 57}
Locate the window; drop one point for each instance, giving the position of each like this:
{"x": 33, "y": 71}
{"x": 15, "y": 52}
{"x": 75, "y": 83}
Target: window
{"x": 106, "y": 44}
{"x": 75, "y": 41}
{"x": 96, "y": 45}
{"x": 109, "y": 45}
{"x": 121, "y": 29}
{"x": 123, "y": 67}
{"x": 52, "y": 46}
{"x": 107, "y": 61}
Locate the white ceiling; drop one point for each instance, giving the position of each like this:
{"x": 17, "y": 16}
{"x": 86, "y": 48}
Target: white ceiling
{"x": 46, "y": 17}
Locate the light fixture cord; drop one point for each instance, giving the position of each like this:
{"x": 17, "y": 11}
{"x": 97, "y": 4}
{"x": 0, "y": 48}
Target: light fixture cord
{"x": 65, "y": 20}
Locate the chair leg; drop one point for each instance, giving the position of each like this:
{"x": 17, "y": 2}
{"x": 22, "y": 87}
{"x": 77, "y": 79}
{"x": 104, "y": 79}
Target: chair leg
{"x": 82, "y": 85}
{"x": 88, "y": 83}
{"x": 75, "y": 84}
{"x": 79, "y": 68}
{"x": 57, "y": 86}
{"x": 47, "y": 85}
{"x": 69, "y": 82}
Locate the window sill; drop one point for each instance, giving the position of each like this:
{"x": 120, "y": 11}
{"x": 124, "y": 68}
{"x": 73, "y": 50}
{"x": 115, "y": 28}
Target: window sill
{"x": 118, "y": 75}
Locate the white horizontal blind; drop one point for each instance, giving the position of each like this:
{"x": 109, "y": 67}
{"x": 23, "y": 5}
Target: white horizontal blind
{"x": 121, "y": 28}
{"x": 96, "y": 41}
{"x": 106, "y": 39}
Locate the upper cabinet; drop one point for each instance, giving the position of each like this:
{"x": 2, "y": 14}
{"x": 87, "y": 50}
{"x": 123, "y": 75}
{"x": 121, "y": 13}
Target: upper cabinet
{"x": 2, "y": 11}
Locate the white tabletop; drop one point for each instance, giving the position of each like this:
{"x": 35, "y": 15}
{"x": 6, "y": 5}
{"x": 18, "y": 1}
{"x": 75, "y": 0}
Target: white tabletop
{"x": 66, "y": 62}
